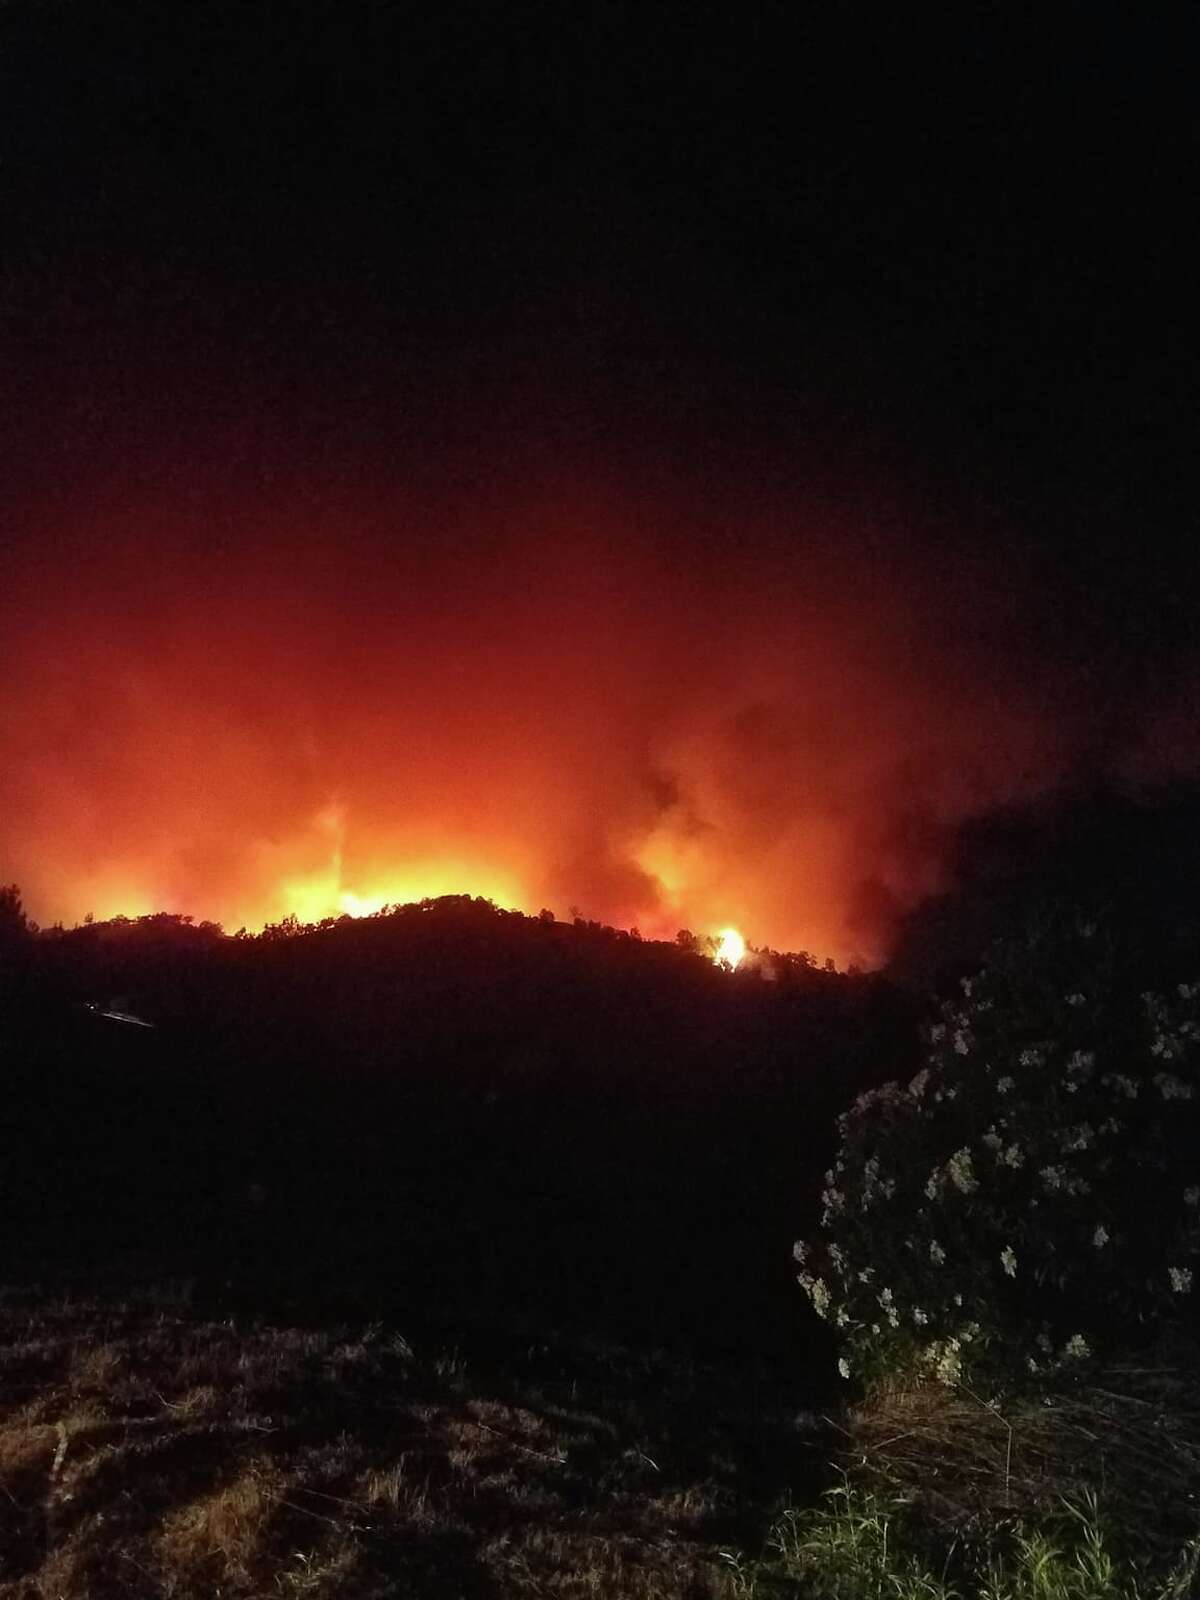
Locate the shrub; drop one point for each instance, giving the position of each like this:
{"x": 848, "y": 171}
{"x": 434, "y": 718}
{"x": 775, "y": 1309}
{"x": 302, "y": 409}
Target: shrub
{"x": 1031, "y": 1199}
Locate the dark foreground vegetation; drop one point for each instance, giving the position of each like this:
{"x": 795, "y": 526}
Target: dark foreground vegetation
{"x": 152, "y": 1443}
{"x": 444, "y": 1252}
{"x": 450, "y": 1252}
{"x": 448, "y": 1105}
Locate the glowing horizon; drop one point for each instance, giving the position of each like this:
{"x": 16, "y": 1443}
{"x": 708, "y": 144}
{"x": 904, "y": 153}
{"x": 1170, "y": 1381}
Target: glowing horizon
{"x": 345, "y": 723}
{"x": 319, "y": 900}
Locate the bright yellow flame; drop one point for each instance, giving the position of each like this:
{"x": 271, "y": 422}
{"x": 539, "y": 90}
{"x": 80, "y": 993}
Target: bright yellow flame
{"x": 731, "y": 948}
{"x": 323, "y": 894}
{"x": 334, "y": 889}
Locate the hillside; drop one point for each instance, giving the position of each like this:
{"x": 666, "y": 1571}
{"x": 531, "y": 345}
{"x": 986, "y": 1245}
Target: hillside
{"x": 447, "y": 1247}
{"x": 472, "y": 1106}
{"x": 448, "y": 1251}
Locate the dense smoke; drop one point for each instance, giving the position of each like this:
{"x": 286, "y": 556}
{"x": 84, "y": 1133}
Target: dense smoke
{"x": 636, "y": 705}
{"x": 653, "y": 474}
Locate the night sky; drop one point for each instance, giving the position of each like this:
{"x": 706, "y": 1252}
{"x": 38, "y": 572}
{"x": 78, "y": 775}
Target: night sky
{"x": 682, "y": 470}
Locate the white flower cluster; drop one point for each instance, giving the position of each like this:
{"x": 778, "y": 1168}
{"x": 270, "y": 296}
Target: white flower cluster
{"x": 1171, "y": 1087}
{"x": 944, "y": 1356}
{"x": 833, "y": 1200}
{"x": 961, "y": 1172}
{"x": 1007, "y": 1155}
{"x": 887, "y": 1094}
{"x": 817, "y": 1291}
{"x": 887, "y": 1304}
{"x": 874, "y": 1185}
{"x": 1166, "y": 1047}
{"x": 1075, "y": 1349}
{"x": 1079, "y": 1070}
{"x": 1172, "y": 1035}
{"x": 1057, "y": 1180}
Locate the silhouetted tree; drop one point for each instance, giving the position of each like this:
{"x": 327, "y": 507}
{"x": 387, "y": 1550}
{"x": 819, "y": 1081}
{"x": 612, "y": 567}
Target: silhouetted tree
{"x": 14, "y": 925}
{"x": 10, "y": 902}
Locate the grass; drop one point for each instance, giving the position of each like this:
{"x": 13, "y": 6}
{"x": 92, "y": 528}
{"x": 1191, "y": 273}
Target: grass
{"x": 157, "y": 1442}
{"x": 1091, "y": 1493}
{"x": 153, "y": 1445}
{"x": 856, "y": 1548}
{"x": 1128, "y": 1438}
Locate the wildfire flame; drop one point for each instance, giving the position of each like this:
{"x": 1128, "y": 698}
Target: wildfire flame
{"x": 325, "y": 895}
{"x": 339, "y": 887}
{"x": 233, "y": 742}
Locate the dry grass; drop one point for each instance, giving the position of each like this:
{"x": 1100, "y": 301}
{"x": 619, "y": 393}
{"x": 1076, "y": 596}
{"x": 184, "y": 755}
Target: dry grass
{"x": 220, "y": 1536}
{"x": 972, "y": 1468}
{"x": 149, "y": 1449}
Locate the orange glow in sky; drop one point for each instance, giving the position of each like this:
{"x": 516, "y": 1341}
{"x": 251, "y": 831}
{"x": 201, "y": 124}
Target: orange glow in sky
{"x": 547, "y": 699}
{"x": 327, "y": 893}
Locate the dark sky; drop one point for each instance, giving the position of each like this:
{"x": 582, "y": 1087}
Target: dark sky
{"x": 680, "y": 468}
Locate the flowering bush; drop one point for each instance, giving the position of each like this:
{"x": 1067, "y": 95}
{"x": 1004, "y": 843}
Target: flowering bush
{"x": 1032, "y": 1197}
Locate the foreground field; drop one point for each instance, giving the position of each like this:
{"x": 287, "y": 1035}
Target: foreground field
{"x": 151, "y": 1445}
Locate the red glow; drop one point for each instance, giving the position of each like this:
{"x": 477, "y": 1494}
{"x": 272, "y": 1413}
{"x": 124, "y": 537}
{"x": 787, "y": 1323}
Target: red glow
{"x": 555, "y": 702}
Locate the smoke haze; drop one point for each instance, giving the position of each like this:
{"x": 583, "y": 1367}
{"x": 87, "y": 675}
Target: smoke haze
{"x": 643, "y": 705}
{"x": 664, "y": 477}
